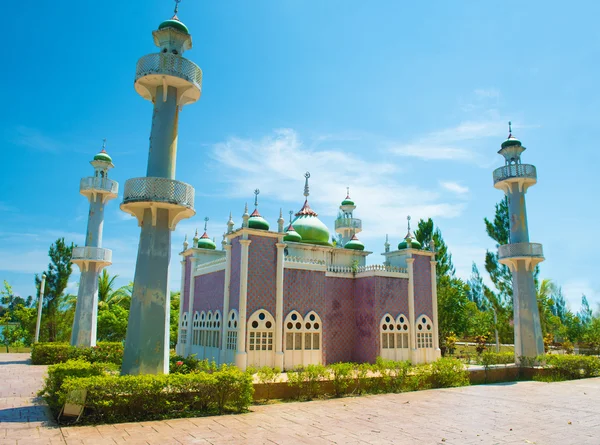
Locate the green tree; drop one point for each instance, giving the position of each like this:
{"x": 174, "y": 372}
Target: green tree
{"x": 108, "y": 295}
{"x": 175, "y": 302}
{"x": 585, "y": 313}
{"x": 452, "y": 307}
{"x": 426, "y": 231}
{"x": 55, "y": 325}
{"x": 500, "y": 275}
{"x": 112, "y": 322}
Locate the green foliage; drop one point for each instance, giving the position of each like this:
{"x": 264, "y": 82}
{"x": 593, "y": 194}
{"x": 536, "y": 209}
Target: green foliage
{"x": 186, "y": 365}
{"x": 452, "y": 306}
{"x": 306, "y": 381}
{"x": 450, "y": 343}
{"x": 267, "y": 376}
{"x": 363, "y": 382}
{"x": 448, "y": 373}
{"x": 112, "y": 323}
{"x": 52, "y": 353}
{"x": 481, "y": 342}
{"x": 113, "y": 399}
{"x": 419, "y": 378}
{"x": 570, "y": 367}
{"x": 341, "y": 376}
{"x": 175, "y": 301}
{"x": 58, "y": 373}
{"x": 426, "y": 231}
{"x": 393, "y": 374}
{"x": 489, "y": 358}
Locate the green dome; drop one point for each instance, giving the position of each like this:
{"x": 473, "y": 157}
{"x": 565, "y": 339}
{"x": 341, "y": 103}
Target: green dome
{"x": 414, "y": 244}
{"x": 206, "y": 243}
{"x": 347, "y": 202}
{"x": 312, "y": 230}
{"x": 511, "y": 141}
{"x": 103, "y": 156}
{"x": 354, "y": 244}
{"x": 174, "y": 23}
{"x": 292, "y": 235}
{"x": 257, "y": 222}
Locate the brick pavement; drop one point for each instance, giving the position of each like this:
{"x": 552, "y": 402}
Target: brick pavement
{"x": 518, "y": 413}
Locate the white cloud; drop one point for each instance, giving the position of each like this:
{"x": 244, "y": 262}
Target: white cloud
{"x": 454, "y": 187}
{"x": 33, "y": 138}
{"x": 573, "y": 291}
{"x": 487, "y": 93}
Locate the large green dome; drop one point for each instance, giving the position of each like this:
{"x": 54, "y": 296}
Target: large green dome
{"x": 354, "y": 244}
{"x": 310, "y": 228}
{"x": 257, "y": 222}
{"x": 103, "y": 156}
{"x": 175, "y": 23}
{"x": 414, "y": 244}
{"x": 291, "y": 235}
{"x": 206, "y": 243}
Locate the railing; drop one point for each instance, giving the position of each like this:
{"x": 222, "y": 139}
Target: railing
{"x": 351, "y": 223}
{"x": 300, "y": 260}
{"x": 520, "y": 250}
{"x": 170, "y": 65}
{"x": 515, "y": 171}
{"x": 158, "y": 190}
{"x": 95, "y": 183}
{"x": 333, "y": 268}
{"x": 91, "y": 254}
{"x": 211, "y": 263}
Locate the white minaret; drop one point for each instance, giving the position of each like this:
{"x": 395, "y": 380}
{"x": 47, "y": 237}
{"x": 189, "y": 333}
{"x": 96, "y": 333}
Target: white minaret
{"x": 346, "y": 225}
{"x": 520, "y": 255}
{"x": 92, "y": 258}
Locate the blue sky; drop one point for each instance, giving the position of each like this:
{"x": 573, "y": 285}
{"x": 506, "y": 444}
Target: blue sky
{"x": 405, "y": 103}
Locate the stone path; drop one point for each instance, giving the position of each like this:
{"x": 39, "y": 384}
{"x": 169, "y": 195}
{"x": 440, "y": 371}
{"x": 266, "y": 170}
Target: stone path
{"x": 518, "y": 413}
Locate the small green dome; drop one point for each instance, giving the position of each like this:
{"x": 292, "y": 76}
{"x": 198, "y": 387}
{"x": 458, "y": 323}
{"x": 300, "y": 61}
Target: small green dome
{"x": 511, "y": 141}
{"x": 206, "y": 243}
{"x": 347, "y": 202}
{"x": 354, "y": 244}
{"x": 257, "y": 222}
{"x": 103, "y": 156}
{"x": 174, "y": 23}
{"x": 292, "y": 235}
{"x": 414, "y": 244}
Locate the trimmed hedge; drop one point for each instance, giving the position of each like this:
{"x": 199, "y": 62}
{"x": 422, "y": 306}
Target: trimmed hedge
{"x": 53, "y": 353}
{"x": 569, "y": 367}
{"x": 113, "y": 399}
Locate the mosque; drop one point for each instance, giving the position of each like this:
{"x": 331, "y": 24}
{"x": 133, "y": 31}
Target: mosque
{"x": 295, "y": 296}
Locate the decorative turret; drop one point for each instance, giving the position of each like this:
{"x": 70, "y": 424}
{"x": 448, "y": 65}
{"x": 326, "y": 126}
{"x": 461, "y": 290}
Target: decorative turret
{"x": 256, "y": 221}
{"x": 185, "y": 243}
{"x": 521, "y": 256}
{"x": 354, "y": 244}
{"x": 308, "y": 225}
{"x": 205, "y": 242}
{"x": 245, "y": 216}
{"x": 280, "y": 221}
{"x": 290, "y": 233}
{"x": 158, "y": 201}
{"x": 230, "y": 224}
{"x": 410, "y": 242}
{"x": 346, "y": 225}
{"x": 92, "y": 258}
{"x": 224, "y": 241}
{"x": 387, "y": 243}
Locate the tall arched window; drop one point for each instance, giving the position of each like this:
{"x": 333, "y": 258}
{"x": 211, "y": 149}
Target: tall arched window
{"x": 261, "y": 332}
{"x": 202, "y": 339}
{"x": 302, "y": 339}
{"x": 424, "y": 332}
{"x": 211, "y": 328}
{"x": 394, "y": 337}
{"x": 183, "y": 328}
{"x": 232, "y": 330}
{"x": 196, "y": 329}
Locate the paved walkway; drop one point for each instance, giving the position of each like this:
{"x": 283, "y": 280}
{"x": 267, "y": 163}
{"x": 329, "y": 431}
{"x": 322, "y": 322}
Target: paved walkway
{"x": 519, "y": 413}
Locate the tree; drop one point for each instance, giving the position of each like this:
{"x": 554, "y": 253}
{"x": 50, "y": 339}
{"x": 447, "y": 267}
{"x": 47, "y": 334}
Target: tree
{"x": 174, "y": 326}
{"x": 12, "y": 301}
{"x": 585, "y": 313}
{"x": 107, "y": 295}
{"x": 476, "y": 289}
{"x": 499, "y": 231}
{"x": 112, "y": 322}
{"x": 452, "y": 307}
{"x": 59, "y": 270}
{"x": 559, "y": 308}
{"x": 426, "y": 231}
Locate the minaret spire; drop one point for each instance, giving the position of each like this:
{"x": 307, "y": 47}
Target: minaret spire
{"x": 206, "y": 219}
{"x": 306, "y": 190}
{"x": 256, "y": 193}
{"x": 176, "y": 8}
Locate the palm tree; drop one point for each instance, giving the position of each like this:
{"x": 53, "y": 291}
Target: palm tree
{"x": 108, "y": 296}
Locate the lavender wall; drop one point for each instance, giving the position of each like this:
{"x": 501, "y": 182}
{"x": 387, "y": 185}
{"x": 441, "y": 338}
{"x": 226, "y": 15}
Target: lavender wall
{"x": 262, "y": 273}
{"x": 422, "y": 276}
{"x": 186, "y": 283}
{"x": 339, "y": 328}
{"x": 208, "y": 291}
{"x": 234, "y": 278}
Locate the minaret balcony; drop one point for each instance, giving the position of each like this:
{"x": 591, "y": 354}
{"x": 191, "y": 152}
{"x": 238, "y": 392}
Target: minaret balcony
{"x": 82, "y": 256}
{"x": 523, "y": 174}
{"x": 158, "y": 193}
{"x": 94, "y": 185}
{"x": 348, "y": 223}
{"x": 531, "y": 253}
{"x": 164, "y": 69}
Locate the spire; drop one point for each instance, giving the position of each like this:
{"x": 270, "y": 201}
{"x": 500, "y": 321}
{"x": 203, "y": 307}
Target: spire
{"x": 245, "y": 216}
{"x": 511, "y": 148}
{"x": 103, "y": 146}
{"x": 306, "y": 191}
{"x": 224, "y": 241}
{"x": 409, "y": 234}
{"x": 509, "y": 129}
{"x": 185, "y": 243}
{"x": 256, "y": 212}
{"x": 205, "y": 234}
{"x": 291, "y": 212}
{"x": 306, "y": 210}
{"x": 230, "y": 224}
{"x": 280, "y": 221}
{"x": 176, "y": 8}
{"x": 195, "y": 240}
{"x": 347, "y": 192}
{"x": 387, "y": 243}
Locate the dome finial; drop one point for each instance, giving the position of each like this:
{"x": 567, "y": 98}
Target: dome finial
{"x": 306, "y": 192}
{"x": 185, "y": 243}
{"x": 256, "y": 193}
{"x": 291, "y": 212}
{"x": 408, "y": 219}
{"x": 509, "y": 128}
{"x": 104, "y": 145}
{"x": 205, "y": 222}
{"x": 347, "y": 192}
{"x": 177, "y": 6}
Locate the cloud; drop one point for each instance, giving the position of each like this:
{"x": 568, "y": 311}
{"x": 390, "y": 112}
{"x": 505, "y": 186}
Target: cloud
{"x": 455, "y": 187}
{"x": 33, "y": 138}
{"x": 487, "y": 93}
{"x": 573, "y": 291}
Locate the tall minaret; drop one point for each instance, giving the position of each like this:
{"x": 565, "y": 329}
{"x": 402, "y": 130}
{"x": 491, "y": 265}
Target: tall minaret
{"x": 157, "y": 200}
{"x": 92, "y": 258}
{"x": 346, "y": 225}
{"x": 520, "y": 255}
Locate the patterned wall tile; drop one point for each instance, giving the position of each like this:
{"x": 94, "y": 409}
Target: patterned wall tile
{"x": 262, "y": 274}
{"x": 208, "y": 291}
{"x": 422, "y": 274}
{"x": 234, "y": 277}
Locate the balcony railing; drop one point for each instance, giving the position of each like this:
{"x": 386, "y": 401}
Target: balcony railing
{"x": 100, "y": 185}
{"x": 520, "y": 250}
{"x": 350, "y": 223}
{"x": 162, "y": 190}
{"x": 527, "y": 171}
{"x": 169, "y": 65}
{"x": 91, "y": 254}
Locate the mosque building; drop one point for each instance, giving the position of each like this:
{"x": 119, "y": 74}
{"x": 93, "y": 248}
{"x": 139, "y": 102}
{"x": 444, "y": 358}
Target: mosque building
{"x": 291, "y": 296}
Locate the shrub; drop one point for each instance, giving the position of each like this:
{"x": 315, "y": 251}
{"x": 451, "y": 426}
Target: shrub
{"x": 481, "y": 343}
{"x": 448, "y": 373}
{"x": 179, "y": 364}
{"x": 568, "y": 347}
{"x": 341, "y": 376}
{"x": 569, "y": 367}
{"x": 418, "y": 378}
{"x": 363, "y": 382}
{"x": 53, "y": 353}
{"x": 58, "y": 373}
{"x": 450, "y": 343}
{"x": 314, "y": 375}
{"x": 267, "y": 376}
{"x": 489, "y": 358}
{"x": 296, "y": 379}
{"x": 149, "y": 397}
{"x": 392, "y": 374}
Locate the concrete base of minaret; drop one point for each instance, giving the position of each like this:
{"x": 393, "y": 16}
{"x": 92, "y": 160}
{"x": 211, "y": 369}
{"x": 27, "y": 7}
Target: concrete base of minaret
{"x": 147, "y": 342}
{"x": 529, "y": 341}
{"x": 86, "y": 312}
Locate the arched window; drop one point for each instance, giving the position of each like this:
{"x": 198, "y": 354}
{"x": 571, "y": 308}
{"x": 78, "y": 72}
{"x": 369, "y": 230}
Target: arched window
{"x": 196, "y": 329}
{"x": 184, "y": 328}
{"x": 302, "y": 339}
{"x": 210, "y": 325}
{"x": 261, "y": 331}
{"x": 202, "y": 338}
{"x": 388, "y": 333}
{"x": 232, "y": 330}
{"x": 424, "y": 332}
{"x": 394, "y": 336}
{"x": 402, "y": 332}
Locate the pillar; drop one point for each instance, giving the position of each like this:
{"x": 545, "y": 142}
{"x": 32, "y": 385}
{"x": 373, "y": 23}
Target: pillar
{"x": 412, "y": 340}
{"x": 226, "y": 293}
{"x": 434, "y": 306}
{"x": 279, "y": 306}
{"x": 241, "y": 357}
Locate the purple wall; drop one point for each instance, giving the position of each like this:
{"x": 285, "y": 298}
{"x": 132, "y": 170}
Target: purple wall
{"x": 234, "y": 278}
{"x": 339, "y": 329}
{"x": 208, "y": 291}
{"x": 422, "y": 276}
{"x": 186, "y": 283}
{"x": 262, "y": 274}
